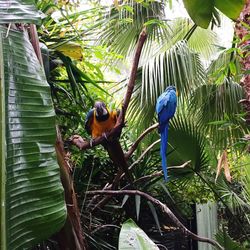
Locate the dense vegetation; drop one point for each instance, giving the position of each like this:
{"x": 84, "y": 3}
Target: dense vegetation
{"x": 88, "y": 51}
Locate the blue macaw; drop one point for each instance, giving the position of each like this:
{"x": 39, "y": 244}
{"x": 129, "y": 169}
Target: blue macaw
{"x": 165, "y": 109}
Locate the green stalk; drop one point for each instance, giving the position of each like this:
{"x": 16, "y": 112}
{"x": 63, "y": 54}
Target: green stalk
{"x": 2, "y": 151}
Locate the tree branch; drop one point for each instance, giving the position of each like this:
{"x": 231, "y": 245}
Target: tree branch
{"x": 164, "y": 209}
{"x": 35, "y": 42}
{"x": 83, "y": 144}
{"x": 131, "y": 83}
{"x": 71, "y": 235}
{"x": 118, "y": 177}
{"x": 156, "y": 174}
{"x": 139, "y": 139}
{"x": 140, "y": 158}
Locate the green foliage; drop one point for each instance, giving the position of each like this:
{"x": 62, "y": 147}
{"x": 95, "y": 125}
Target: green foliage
{"x": 209, "y": 117}
{"x": 231, "y": 8}
{"x": 31, "y": 193}
{"x": 132, "y": 237}
{"x": 227, "y": 242}
{"x": 19, "y": 11}
{"x": 183, "y": 133}
{"x": 201, "y": 11}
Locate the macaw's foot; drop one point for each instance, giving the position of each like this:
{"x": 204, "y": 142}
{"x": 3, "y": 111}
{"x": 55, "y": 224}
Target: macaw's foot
{"x": 105, "y": 136}
{"x": 91, "y": 142}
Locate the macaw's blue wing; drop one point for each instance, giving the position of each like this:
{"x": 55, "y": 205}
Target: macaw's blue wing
{"x": 165, "y": 109}
{"x": 89, "y": 120}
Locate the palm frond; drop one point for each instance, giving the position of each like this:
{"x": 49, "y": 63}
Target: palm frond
{"x": 178, "y": 66}
{"x": 246, "y": 179}
{"x": 219, "y": 109}
{"x": 187, "y": 142}
{"x": 121, "y": 32}
{"x": 226, "y": 65}
{"x": 19, "y": 12}
{"x": 231, "y": 194}
{"x": 201, "y": 41}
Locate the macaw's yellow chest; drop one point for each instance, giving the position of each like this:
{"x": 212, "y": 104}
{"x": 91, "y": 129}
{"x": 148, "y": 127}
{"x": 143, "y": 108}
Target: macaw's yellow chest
{"x": 100, "y": 127}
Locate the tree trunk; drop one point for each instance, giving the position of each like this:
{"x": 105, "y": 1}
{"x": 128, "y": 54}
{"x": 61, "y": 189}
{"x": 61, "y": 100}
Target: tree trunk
{"x": 71, "y": 236}
{"x": 241, "y": 31}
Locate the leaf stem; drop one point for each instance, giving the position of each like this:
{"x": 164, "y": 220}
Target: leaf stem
{"x": 2, "y": 150}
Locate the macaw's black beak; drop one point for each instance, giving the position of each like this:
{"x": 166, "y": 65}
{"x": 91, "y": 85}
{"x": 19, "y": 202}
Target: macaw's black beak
{"x": 100, "y": 108}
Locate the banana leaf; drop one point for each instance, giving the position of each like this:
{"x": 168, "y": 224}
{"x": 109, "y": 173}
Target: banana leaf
{"x": 18, "y": 11}
{"x": 32, "y": 200}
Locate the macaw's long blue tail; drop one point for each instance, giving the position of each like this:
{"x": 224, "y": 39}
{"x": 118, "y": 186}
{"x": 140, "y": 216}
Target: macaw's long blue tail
{"x": 164, "y": 145}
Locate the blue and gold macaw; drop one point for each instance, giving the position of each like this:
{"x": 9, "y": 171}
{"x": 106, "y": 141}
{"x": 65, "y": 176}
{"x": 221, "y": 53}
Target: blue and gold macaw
{"x": 165, "y": 109}
{"x": 98, "y": 122}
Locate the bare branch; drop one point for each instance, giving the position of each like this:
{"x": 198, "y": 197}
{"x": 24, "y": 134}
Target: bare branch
{"x": 139, "y": 139}
{"x": 164, "y": 209}
{"x": 181, "y": 166}
{"x": 141, "y": 156}
{"x": 71, "y": 235}
{"x": 131, "y": 83}
{"x": 83, "y": 144}
{"x": 35, "y": 42}
{"x": 156, "y": 174}
{"x": 118, "y": 177}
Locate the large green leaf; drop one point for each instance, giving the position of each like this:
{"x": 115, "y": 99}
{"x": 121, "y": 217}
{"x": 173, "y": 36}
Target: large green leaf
{"x": 31, "y": 193}
{"x": 231, "y": 8}
{"x": 187, "y": 142}
{"x": 200, "y": 11}
{"x": 18, "y": 11}
{"x": 133, "y": 238}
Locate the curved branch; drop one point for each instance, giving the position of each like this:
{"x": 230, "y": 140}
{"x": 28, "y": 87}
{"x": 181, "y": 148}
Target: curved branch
{"x": 140, "y": 158}
{"x": 139, "y": 139}
{"x": 164, "y": 209}
{"x": 118, "y": 177}
{"x": 157, "y": 174}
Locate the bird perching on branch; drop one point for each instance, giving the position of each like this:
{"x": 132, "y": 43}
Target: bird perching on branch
{"x": 100, "y": 121}
{"x": 165, "y": 109}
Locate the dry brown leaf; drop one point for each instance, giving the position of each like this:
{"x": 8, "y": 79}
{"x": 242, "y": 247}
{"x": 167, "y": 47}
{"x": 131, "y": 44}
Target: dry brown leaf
{"x": 226, "y": 168}
{"x": 223, "y": 162}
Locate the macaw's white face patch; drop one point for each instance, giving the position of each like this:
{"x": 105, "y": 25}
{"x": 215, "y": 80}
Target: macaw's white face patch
{"x": 104, "y": 111}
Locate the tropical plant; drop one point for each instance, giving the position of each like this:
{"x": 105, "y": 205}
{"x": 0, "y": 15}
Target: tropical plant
{"x": 183, "y": 66}
{"x": 32, "y": 199}
{"x": 79, "y": 46}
